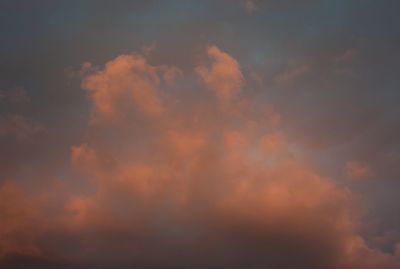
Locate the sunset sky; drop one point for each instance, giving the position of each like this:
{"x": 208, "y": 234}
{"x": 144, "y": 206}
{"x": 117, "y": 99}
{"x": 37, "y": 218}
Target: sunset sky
{"x": 174, "y": 134}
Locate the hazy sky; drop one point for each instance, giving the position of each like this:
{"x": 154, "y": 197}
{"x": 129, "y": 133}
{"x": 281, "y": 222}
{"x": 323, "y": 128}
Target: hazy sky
{"x": 200, "y": 134}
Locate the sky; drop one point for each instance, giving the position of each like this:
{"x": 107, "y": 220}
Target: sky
{"x": 199, "y": 134}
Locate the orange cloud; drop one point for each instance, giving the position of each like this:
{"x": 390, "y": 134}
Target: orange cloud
{"x": 192, "y": 188}
{"x": 224, "y": 77}
{"x": 125, "y": 81}
{"x": 272, "y": 143}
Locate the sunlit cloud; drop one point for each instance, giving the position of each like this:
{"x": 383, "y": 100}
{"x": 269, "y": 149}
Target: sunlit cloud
{"x": 217, "y": 183}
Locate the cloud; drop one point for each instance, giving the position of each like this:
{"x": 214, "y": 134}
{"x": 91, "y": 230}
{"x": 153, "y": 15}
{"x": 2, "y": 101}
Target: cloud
{"x": 125, "y": 81}
{"x": 16, "y": 95}
{"x": 21, "y": 141}
{"x": 19, "y": 222}
{"x": 186, "y": 187}
{"x": 249, "y": 5}
{"x": 272, "y": 143}
{"x": 220, "y": 193}
{"x": 291, "y": 74}
{"x": 18, "y": 127}
{"x": 357, "y": 170}
{"x": 224, "y": 77}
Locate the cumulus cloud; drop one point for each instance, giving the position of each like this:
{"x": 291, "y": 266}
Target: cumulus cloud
{"x": 127, "y": 81}
{"x": 190, "y": 187}
{"x": 224, "y": 77}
